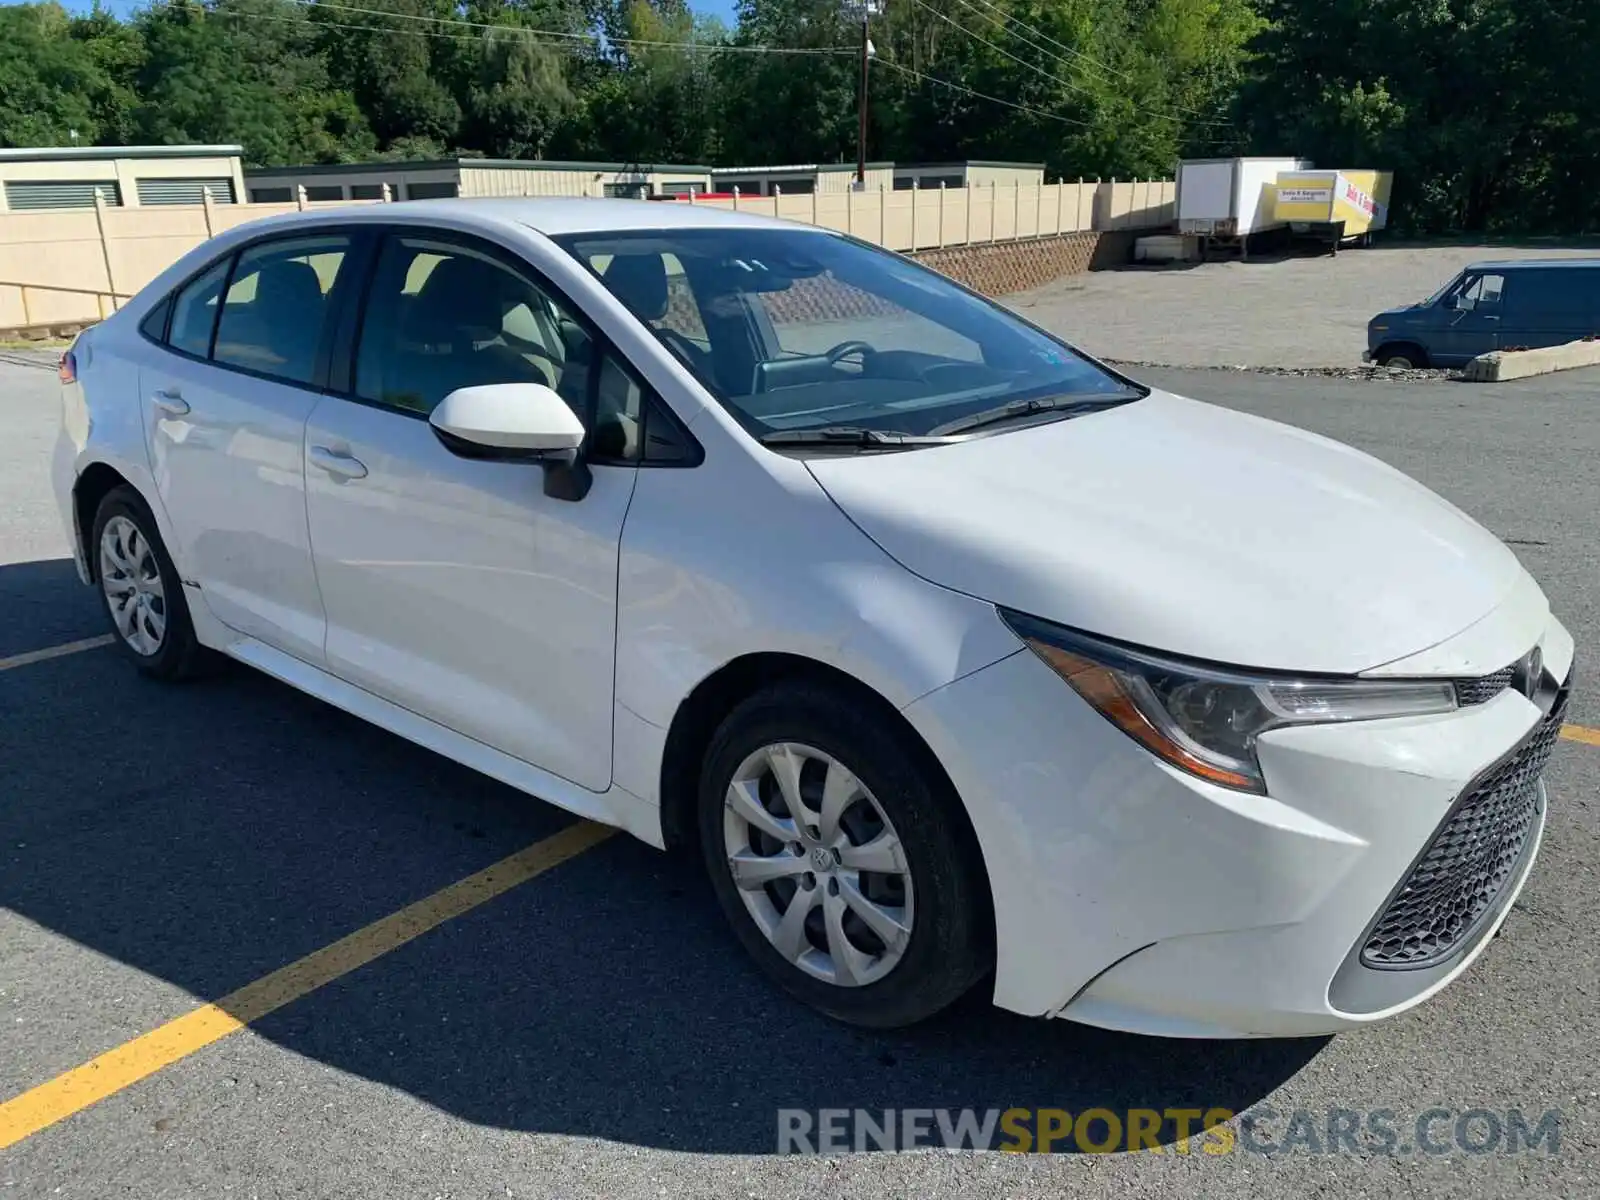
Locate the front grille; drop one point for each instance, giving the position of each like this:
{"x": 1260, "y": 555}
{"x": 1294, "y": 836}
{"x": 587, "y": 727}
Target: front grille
{"x": 1469, "y": 861}
{"x": 1485, "y": 688}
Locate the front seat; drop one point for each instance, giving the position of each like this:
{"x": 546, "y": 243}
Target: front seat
{"x": 279, "y": 330}
{"x": 640, "y": 282}
{"x": 450, "y": 335}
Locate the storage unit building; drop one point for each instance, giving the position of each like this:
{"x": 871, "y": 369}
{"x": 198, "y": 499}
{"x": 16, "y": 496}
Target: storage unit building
{"x": 799, "y": 180}
{"x": 61, "y": 177}
{"x": 473, "y": 177}
{"x": 960, "y": 174}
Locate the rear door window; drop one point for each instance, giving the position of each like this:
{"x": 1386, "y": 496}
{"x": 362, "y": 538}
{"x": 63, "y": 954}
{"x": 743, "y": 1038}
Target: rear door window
{"x": 276, "y": 307}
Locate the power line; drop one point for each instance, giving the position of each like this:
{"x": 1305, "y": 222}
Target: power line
{"x": 1038, "y": 70}
{"x": 535, "y": 34}
{"x": 473, "y": 37}
{"x": 1005, "y": 19}
{"x": 962, "y": 88}
{"x": 978, "y": 37}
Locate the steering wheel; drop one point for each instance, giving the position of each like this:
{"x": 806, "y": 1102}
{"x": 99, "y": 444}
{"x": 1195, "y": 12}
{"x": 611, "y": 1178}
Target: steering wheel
{"x": 845, "y": 349}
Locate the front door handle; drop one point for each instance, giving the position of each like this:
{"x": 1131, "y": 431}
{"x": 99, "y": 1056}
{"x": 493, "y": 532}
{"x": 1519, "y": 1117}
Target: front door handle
{"x": 340, "y": 466}
{"x": 170, "y": 402}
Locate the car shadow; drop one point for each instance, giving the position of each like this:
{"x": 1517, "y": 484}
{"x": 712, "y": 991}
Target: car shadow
{"x": 206, "y": 834}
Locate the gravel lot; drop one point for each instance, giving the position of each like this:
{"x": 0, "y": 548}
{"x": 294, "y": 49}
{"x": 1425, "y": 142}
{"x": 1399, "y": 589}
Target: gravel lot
{"x": 1292, "y": 312}
{"x": 594, "y": 1032}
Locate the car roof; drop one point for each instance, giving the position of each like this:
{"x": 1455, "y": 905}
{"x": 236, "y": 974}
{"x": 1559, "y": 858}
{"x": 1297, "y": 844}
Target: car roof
{"x": 555, "y": 215}
{"x": 1536, "y": 264}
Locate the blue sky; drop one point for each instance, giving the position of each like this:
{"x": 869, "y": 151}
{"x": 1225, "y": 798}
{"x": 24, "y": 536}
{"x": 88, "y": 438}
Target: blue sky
{"x": 719, "y": 8}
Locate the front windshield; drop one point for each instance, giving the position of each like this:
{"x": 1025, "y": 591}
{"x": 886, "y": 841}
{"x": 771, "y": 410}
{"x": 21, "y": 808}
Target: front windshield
{"x": 1439, "y": 295}
{"x": 795, "y": 330}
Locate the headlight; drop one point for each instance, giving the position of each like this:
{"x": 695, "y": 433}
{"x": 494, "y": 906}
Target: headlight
{"x": 1206, "y": 719}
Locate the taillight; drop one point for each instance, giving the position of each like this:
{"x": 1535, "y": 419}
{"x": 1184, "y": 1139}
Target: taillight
{"x": 67, "y": 369}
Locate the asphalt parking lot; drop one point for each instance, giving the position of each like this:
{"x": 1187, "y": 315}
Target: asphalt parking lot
{"x": 1308, "y": 310}
{"x": 593, "y": 1031}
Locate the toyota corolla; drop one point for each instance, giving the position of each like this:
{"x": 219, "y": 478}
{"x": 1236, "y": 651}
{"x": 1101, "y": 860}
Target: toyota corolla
{"x": 960, "y": 658}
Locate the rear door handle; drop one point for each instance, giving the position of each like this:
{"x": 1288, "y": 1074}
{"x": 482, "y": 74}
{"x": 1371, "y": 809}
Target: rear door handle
{"x": 169, "y": 401}
{"x": 340, "y": 466}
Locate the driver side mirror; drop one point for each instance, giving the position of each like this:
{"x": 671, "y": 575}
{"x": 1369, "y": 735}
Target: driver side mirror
{"x": 517, "y": 422}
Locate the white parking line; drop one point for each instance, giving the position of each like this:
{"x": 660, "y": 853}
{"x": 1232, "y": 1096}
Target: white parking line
{"x": 49, "y": 652}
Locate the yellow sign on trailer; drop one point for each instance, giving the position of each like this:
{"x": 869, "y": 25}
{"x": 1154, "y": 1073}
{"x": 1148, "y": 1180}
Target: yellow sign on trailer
{"x": 1360, "y": 199}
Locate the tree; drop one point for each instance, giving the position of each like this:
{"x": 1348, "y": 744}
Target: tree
{"x": 388, "y": 65}
{"x": 655, "y": 98}
{"x": 59, "y": 77}
{"x": 245, "y": 71}
{"x": 1479, "y": 106}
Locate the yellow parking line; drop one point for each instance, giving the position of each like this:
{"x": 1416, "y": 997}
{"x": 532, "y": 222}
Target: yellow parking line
{"x": 49, "y": 652}
{"x": 1581, "y": 733}
{"x": 75, "y": 1090}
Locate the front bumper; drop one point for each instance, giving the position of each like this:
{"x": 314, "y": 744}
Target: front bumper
{"x": 1133, "y": 896}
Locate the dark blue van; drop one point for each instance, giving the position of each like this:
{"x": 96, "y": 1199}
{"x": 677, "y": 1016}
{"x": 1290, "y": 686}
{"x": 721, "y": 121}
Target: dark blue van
{"x": 1491, "y": 306}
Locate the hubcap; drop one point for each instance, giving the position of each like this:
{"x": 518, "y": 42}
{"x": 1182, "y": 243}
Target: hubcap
{"x": 819, "y": 866}
{"x": 131, "y": 580}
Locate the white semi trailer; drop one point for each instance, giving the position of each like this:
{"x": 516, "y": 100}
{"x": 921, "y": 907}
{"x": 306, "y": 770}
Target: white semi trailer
{"x": 1228, "y": 202}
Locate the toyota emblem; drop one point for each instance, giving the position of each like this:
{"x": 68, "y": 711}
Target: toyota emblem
{"x": 1530, "y": 672}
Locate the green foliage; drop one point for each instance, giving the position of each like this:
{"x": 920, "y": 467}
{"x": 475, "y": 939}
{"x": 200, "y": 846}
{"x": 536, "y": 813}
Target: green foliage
{"x": 1481, "y": 107}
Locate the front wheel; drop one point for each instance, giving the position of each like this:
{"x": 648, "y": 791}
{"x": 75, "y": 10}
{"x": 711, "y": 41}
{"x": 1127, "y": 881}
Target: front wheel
{"x": 140, "y": 590}
{"x": 1401, "y": 358}
{"x": 845, "y": 870}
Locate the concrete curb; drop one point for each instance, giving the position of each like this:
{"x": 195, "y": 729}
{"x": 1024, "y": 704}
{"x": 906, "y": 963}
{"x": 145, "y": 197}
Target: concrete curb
{"x": 55, "y": 331}
{"x": 1500, "y": 365}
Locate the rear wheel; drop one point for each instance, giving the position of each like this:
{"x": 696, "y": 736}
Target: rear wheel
{"x": 840, "y": 863}
{"x": 140, "y": 590}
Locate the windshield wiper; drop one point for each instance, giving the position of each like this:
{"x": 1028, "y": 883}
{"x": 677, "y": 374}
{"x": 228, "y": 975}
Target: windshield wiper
{"x": 848, "y": 436}
{"x": 1026, "y": 408}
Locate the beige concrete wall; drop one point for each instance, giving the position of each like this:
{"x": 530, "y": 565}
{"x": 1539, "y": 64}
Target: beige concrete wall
{"x": 55, "y": 268}
{"x": 42, "y": 253}
{"x": 1141, "y": 204}
{"x": 980, "y": 174}
{"x": 930, "y": 218}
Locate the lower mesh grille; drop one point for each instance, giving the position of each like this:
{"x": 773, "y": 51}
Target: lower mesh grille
{"x": 1485, "y": 688}
{"x": 1470, "y": 860}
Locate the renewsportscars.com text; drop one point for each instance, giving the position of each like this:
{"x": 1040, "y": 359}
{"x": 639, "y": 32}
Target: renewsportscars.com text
{"x": 1209, "y": 1131}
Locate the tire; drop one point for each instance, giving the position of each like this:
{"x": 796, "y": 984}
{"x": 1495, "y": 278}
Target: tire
{"x": 133, "y": 571}
{"x": 893, "y": 815}
{"x": 1401, "y": 358}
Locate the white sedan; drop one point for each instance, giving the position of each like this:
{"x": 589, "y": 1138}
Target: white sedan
{"x": 958, "y": 656}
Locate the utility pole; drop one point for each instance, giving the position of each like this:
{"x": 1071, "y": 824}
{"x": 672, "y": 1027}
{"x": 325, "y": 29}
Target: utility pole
{"x": 861, "y": 135}
{"x": 868, "y": 7}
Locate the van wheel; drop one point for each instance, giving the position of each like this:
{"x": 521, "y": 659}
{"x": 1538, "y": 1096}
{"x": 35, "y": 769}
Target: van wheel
{"x": 140, "y": 590}
{"x": 841, "y": 865}
{"x": 1402, "y": 358}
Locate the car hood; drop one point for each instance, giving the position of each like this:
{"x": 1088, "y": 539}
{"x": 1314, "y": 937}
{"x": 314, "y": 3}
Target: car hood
{"x": 1189, "y": 528}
